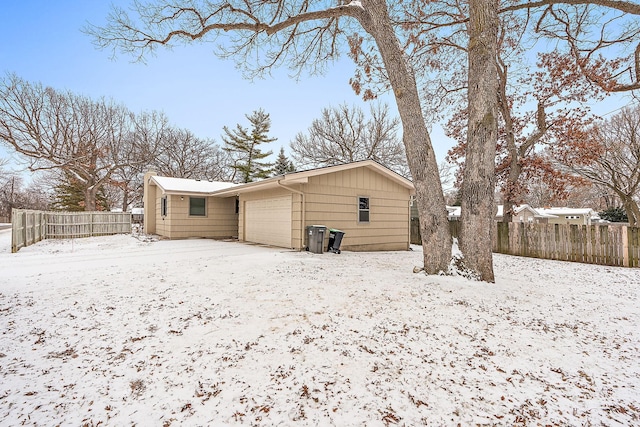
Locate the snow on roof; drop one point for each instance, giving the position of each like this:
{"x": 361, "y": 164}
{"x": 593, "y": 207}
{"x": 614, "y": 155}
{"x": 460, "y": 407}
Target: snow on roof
{"x": 137, "y": 211}
{"x": 566, "y": 211}
{"x": 182, "y": 185}
{"x": 454, "y": 211}
{"x": 520, "y": 208}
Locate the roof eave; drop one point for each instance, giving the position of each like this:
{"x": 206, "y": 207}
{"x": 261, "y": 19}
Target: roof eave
{"x": 303, "y": 177}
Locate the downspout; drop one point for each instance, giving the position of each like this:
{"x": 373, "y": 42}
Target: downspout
{"x": 302, "y": 214}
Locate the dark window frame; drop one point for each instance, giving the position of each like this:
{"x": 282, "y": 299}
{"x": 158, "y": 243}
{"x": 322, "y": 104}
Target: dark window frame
{"x": 164, "y": 206}
{"x": 200, "y": 210}
{"x": 364, "y": 213}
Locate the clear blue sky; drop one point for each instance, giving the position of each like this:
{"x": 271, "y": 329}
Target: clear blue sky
{"x": 41, "y": 41}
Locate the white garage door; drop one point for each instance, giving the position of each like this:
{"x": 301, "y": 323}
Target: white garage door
{"x": 268, "y": 221}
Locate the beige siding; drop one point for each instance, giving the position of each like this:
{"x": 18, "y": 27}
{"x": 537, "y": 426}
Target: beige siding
{"x": 524, "y": 216}
{"x": 149, "y": 203}
{"x": 332, "y": 200}
{"x": 220, "y": 221}
{"x": 562, "y": 220}
{"x": 162, "y": 223}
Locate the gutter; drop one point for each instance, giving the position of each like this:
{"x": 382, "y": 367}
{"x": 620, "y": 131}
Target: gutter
{"x": 304, "y": 209}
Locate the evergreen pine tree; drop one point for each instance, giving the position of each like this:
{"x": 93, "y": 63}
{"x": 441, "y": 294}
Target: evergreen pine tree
{"x": 243, "y": 145}
{"x": 69, "y": 196}
{"x": 614, "y": 214}
{"x": 283, "y": 165}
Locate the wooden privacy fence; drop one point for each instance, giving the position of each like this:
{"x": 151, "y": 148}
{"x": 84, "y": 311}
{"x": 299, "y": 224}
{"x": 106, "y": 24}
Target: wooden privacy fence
{"x": 29, "y": 227}
{"x": 616, "y": 245}
{"x": 415, "y": 236}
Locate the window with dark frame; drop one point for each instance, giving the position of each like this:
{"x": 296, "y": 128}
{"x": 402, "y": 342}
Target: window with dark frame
{"x": 163, "y": 206}
{"x": 197, "y": 206}
{"x": 363, "y": 209}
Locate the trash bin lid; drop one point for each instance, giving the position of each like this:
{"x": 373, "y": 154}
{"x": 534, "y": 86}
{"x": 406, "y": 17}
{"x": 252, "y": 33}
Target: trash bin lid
{"x": 335, "y": 230}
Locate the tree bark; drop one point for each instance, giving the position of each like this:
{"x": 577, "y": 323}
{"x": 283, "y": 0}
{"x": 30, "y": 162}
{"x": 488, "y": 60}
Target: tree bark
{"x": 434, "y": 224}
{"x": 90, "y": 198}
{"x": 478, "y": 210}
{"x": 631, "y": 209}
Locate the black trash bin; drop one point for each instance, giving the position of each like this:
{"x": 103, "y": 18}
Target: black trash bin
{"x": 315, "y": 238}
{"x": 335, "y": 238}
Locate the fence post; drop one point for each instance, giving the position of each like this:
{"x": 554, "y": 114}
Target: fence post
{"x": 14, "y": 231}
{"x": 24, "y": 227}
{"x": 625, "y": 246}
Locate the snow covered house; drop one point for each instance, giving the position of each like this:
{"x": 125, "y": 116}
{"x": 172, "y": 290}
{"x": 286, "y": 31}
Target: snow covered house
{"x": 523, "y": 213}
{"x": 577, "y": 216}
{"x": 180, "y": 208}
{"x": 365, "y": 200}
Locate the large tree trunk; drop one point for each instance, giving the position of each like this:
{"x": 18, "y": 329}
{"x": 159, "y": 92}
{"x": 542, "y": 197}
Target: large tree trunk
{"x": 434, "y": 224}
{"x": 632, "y": 211}
{"x": 515, "y": 170}
{"x": 125, "y": 197}
{"x": 90, "y": 194}
{"x": 478, "y": 185}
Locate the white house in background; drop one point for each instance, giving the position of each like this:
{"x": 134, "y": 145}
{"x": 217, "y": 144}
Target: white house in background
{"x": 453, "y": 212}
{"x": 577, "y": 216}
{"x": 522, "y": 213}
{"x": 137, "y": 215}
{"x": 525, "y": 213}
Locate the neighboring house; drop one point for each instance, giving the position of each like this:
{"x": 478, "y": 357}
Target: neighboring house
{"x": 137, "y": 215}
{"x": 578, "y": 216}
{"x": 524, "y": 213}
{"x": 365, "y": 200}
{"x": 453, "y": 213}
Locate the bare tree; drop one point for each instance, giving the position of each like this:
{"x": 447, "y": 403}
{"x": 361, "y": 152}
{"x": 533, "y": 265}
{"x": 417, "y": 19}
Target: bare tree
{"x": 343, "y": 134}
{"x": 302, "y": 33}
{"x": 14, "y": 194}
{"x": 89, "y": 140}
{"x": 609, "y": 157}
{"x": 181, "y": 154}
{"x": 148, "y": 133}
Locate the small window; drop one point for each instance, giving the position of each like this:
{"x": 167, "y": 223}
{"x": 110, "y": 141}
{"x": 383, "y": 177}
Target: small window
{"x": 197, "y": 206}
{"x": 363, "y": 209}
{"x": 237, "y": 206}
{"x": 163, "y": 206}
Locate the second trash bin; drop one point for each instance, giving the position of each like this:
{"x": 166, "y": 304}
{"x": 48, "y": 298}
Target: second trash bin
{"x": 315, "y": 238}
{"x": 335, "y": 238}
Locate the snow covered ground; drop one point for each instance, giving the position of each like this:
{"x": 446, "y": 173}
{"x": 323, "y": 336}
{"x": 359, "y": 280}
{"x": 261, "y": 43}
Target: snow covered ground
{"x": 122, "y": 331}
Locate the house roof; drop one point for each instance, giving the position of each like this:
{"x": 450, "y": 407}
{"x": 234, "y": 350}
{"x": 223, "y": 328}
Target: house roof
{"x": 567, "y": 211}
{"x": 517, "y": 209}
{"x": 454, "y": 211}
{"x": 188, "y": 186}
{"x": 302, "y": 177}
